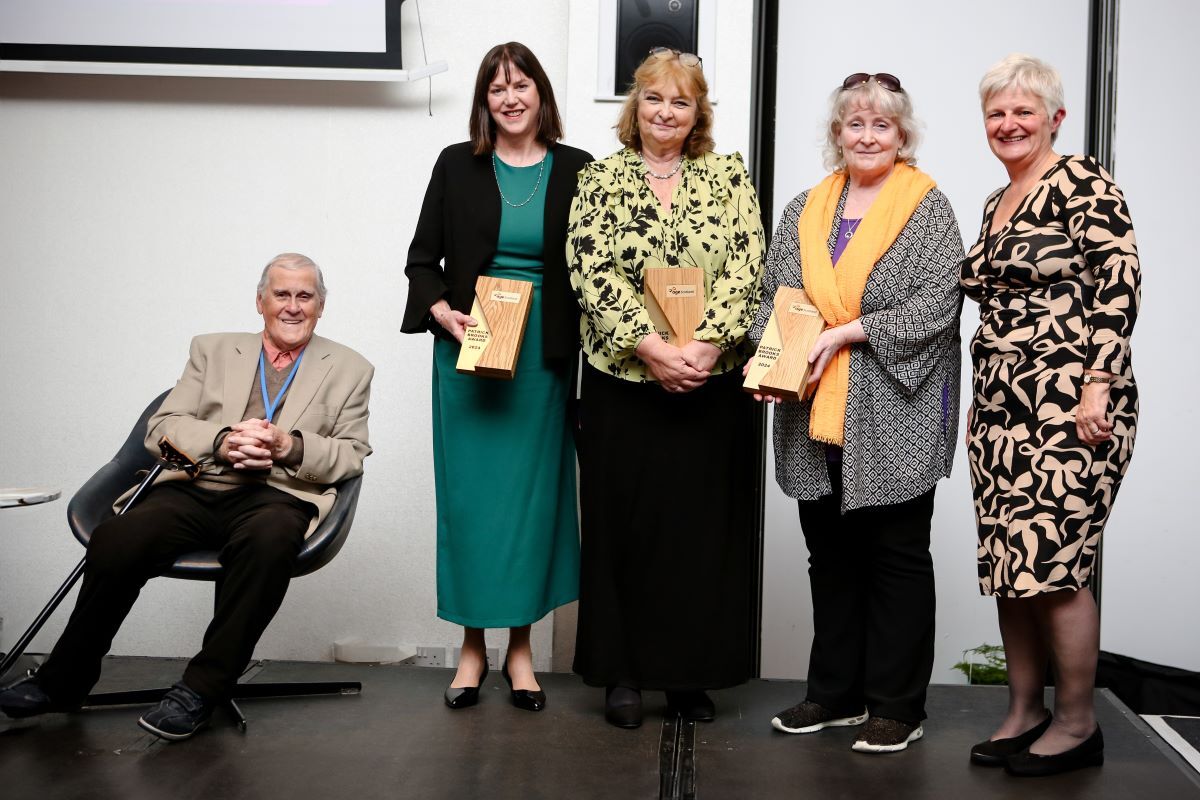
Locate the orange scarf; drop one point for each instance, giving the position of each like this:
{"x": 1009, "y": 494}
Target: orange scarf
{"x": 838, "y": 294}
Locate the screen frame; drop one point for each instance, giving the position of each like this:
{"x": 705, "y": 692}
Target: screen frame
{"x": 389, "y": 59}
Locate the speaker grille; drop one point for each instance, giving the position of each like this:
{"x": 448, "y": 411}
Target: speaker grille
{"x": 646, "y": 24}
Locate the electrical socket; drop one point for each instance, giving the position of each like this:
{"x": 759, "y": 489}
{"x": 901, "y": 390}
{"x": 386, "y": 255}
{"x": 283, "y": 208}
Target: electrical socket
{"x": 446, "y": 657}
{"x": 427, "y": 657}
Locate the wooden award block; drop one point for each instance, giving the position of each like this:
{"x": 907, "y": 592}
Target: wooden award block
{"x": 675, "y": 300}
{"x": 780, "y": 365}
{"x": 492, "y": 347}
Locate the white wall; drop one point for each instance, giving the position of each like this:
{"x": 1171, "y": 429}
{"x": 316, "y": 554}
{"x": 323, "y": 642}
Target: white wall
{"x": 1150, "y": 593}
{"x": 939, "y": 50}
{"x": 136, "y": 212}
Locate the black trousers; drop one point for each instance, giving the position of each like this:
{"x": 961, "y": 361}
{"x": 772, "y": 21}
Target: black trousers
{"x": 258, "y": 531}
{"x": 873, "y": 605}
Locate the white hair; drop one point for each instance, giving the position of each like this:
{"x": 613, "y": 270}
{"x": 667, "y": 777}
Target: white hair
{"x": 870, "y": 94}
{"x": 293, "y": 261}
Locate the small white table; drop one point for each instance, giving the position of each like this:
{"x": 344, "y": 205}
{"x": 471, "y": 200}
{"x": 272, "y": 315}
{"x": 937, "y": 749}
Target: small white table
{"x": 27, "y": 496}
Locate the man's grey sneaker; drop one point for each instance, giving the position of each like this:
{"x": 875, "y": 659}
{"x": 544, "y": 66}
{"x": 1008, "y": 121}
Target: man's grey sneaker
{"x": 26, "y": 698}
{"x": 178, "y": 715}
{"x": 881, "y": 735}
{"x": 809, "y": 717}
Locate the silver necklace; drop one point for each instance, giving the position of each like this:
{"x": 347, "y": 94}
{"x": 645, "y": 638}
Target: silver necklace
{"x": 850, "y": 230}
{"x": 536, "y": 186}
{"x": 654, "y": 174}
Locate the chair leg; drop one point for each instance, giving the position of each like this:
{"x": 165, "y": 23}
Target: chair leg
{"x": 235, "y": 712}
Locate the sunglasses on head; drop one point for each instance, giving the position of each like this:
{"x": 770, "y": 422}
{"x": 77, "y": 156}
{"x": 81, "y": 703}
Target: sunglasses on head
{"x": 884, "y": 79}
{"x": 687, "y": 59}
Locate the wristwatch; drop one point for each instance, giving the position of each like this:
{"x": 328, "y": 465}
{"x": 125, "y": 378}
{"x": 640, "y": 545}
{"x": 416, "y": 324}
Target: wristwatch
{"x": 1096, "y": 379}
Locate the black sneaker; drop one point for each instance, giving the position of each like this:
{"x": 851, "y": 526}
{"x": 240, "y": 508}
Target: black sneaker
{"x": 809, "y": 717}
{"x": 26, "y": 698}
{"x": 881, "y": 735}
{"x": 178, "y": 715}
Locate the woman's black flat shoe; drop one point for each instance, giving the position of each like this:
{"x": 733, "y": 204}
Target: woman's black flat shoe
{"x": 1088, "y": 753}
{"x": 523, "y": 699}
{"x": 993, "y": 753}
{"x": 696, "y": 706}
{"x": 623, "y": 706}
{"x": 466, "y": 696}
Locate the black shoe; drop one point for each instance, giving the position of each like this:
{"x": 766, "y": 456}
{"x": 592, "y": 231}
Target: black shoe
{"x": 178, "y": 715}
{"x": 466, "y": 696}
{"x": 883, "y": 735}
{"x": 623, "y": 706}
{"x": 696, "y": 706}
{"x": 25, "y": 697}
{"x": 1088, "y": 753}
{"x": 994, "y": 752}
{"x": 810, "y": 717}
{"x": 524, "y": 699}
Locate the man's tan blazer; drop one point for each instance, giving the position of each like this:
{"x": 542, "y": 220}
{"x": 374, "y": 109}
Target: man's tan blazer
{"x": 326, "y": 404}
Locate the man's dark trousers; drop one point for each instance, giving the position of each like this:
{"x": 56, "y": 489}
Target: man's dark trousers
{"x": 258, "y": 531}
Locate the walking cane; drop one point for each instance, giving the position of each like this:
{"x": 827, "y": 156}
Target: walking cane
{"x": 170, "y": 458}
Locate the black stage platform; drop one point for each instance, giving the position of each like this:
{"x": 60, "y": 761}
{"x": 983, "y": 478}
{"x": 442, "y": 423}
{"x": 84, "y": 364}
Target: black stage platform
{"x": 397, "y": 740}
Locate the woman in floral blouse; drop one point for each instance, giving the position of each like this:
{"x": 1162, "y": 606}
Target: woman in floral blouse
{"x": 666, "y": 434}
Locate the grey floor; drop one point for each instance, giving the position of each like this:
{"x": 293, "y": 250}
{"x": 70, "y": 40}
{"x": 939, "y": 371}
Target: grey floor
{"x": 397, "y": 740}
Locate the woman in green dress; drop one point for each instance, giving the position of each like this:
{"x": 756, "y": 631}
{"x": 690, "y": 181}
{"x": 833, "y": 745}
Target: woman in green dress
{"x": 504, "y": 457}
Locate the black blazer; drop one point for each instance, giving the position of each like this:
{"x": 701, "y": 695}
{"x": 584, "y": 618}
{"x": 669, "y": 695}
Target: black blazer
{"x": 460, "y": 223}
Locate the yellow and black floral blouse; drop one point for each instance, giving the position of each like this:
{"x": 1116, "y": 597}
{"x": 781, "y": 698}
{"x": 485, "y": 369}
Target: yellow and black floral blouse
{"x": 618, "y": 228}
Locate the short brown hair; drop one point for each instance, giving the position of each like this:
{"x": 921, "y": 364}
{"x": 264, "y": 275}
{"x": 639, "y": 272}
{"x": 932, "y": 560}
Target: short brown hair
{"x": 655, "y": 70}
{"x": 505, "y": 57}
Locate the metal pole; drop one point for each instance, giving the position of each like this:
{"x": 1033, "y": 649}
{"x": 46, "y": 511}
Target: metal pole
{"x": 1101, "y": 129}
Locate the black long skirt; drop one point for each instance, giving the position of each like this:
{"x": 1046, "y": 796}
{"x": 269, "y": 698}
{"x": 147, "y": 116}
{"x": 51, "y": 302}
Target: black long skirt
{"x": 667, "y": 529}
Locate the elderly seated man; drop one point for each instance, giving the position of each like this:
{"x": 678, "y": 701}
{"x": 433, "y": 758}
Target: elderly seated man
{"x": 276, "y": 418}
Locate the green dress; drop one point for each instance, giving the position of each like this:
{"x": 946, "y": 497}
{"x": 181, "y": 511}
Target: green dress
{"x": 504, "y": 458}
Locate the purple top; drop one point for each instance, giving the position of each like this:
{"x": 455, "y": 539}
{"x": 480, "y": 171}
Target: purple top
{"x": 845, "y": 233}
{"x": 833, "y": 453}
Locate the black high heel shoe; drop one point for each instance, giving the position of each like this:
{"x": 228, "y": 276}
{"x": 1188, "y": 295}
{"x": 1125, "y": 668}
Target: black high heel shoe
{"x": 466, "y": 696}
{"x": 994, "y": 752}
{"x": 524, "y": 699}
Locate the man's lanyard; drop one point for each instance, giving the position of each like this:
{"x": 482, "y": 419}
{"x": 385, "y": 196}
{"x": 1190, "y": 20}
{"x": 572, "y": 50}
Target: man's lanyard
{"x": 270, "y": 407}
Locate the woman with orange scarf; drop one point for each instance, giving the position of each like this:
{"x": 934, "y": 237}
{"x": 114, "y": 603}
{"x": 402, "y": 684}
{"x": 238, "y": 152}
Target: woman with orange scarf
{"x": 876, "y": 247}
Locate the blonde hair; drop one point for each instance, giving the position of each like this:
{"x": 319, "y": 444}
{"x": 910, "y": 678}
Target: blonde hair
{"x": 896, "y": 105}
{"x": 1027, "y": 74}
{"x": 656, "y": 70}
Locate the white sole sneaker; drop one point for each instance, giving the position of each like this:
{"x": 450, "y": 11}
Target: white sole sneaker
{"x": 842, "y": 722}
{"x": 863, "y": 746}
{"x": 170, "y": 737}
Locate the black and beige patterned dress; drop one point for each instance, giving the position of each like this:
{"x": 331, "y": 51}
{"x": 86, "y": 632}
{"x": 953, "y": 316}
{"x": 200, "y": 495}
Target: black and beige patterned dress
{"x": 1058, "y": 289}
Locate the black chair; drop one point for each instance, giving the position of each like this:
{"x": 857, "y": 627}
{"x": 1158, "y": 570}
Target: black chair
{"x": 93, "y": 504}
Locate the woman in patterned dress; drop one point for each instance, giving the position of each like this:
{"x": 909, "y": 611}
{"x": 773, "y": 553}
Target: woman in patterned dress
{"x": 876, "y": 247}
{"x": 503, "y": 455}
{"x": 666, "y": 434}
{"x": 1050, "y": 435}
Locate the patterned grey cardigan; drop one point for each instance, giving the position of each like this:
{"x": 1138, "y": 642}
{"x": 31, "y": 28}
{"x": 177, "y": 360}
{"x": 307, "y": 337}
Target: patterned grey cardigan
{"x": 902, "y": 411}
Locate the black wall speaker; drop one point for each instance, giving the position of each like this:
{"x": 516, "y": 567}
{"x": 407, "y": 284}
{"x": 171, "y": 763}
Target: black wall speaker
{"x": 645, "y": 24}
